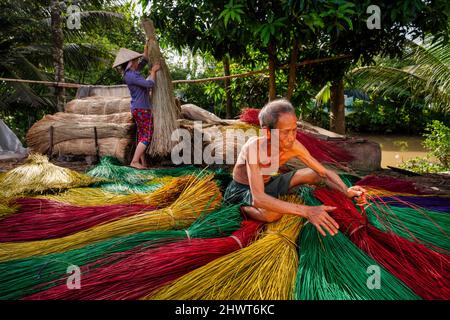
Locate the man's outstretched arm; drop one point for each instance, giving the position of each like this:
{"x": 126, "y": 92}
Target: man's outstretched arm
{"x": 317, "y": 215}
{"x": 331, "y": 178}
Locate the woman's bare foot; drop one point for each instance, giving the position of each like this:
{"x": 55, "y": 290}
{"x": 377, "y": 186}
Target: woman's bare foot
{"x": 143, "y": 160}
{"x": 137, "y": 165}
{"x": 144, "y": 163}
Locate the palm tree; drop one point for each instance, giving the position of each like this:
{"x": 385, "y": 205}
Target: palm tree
{"x": 424, "y": 73}
{"x": 34, "y": 45}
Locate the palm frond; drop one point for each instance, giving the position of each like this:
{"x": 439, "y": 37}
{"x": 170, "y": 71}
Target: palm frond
{"x": 427, "y": 76}
{"x": 82, "y": 55}
{"x": 324, "y": 95}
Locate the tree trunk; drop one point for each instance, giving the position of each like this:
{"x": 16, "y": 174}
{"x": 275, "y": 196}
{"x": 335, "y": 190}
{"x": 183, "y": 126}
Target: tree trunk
{"x": 292, "y": 70}
{"x": 337, "y": 114}
{"x": 226, "y": 71}
{"x": 58, "y": 52}
{"x": 272, "y": 67}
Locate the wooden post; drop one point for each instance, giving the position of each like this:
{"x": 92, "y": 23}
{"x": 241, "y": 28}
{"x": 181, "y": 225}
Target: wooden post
{"x": 292, "y": 70}
{"x": 97, "y": 149}
{"x": 226, "y": 72}
{"x": 337, "y": 114}
{"x": 272, "y": 70}
{"x": 50, "y": 149}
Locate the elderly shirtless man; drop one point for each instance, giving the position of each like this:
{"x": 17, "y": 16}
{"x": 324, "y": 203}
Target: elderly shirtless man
{"x": 257, "y": 184}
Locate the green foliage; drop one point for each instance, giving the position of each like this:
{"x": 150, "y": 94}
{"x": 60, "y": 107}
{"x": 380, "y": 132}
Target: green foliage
{"x": 232, "y": 11}
{"x": 438, "y": 141}
{"x": 438, "y": 144}
{"x": 26, "y": 53}
{"x": 390, "y": 115}
{"x": 422, "y": 74}
{"x": 270, "y": 29}
{"x": 340, "y": 11}
{"x": 423, "y": 165}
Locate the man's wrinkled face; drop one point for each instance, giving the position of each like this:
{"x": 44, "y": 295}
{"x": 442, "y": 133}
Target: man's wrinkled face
{"x": 287, "y": 130}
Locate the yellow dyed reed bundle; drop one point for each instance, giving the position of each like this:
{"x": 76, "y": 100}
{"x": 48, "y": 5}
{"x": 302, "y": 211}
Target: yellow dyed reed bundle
{"x": 160, "y": 198}
{"x": 201, "y": 195}
{"x": 264, "y": 270}
{"x": 240, "y": 126}
{"x": 38, "y": 175}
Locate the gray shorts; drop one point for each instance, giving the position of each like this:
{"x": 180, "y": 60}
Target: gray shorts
{"x": 240, "y": 193}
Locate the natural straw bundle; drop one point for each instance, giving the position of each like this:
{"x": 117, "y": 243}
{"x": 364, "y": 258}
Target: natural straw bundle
{"x": 200, "y": 195}
{"x": 38, "y": 175}
{"x": 165, "y": 109}
{"x": 264, "y": 270}
{"x": 24, "y": 277}
{"x": 148, "y": 270}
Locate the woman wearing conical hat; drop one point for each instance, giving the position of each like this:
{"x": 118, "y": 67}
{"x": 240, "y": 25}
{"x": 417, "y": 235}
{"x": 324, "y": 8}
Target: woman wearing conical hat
{"x": 130, "y": 63}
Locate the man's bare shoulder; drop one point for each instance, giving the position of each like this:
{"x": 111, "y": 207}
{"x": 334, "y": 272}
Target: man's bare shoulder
{"x": 250, "y": 148}
{"x": 297, "y": 150}
{"x": 253, "y": 141}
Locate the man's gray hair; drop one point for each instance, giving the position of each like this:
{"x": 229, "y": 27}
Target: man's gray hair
{"x": 269, "y": 114}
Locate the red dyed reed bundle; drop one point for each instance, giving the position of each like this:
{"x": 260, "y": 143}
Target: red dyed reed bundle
{"x": 250, "y": 116}
{"x": 143, "y": 272}
{"x": 390, "y": 184}
{"x": 425, "y": 271}
{"x": 323, "y": 151}
{"x": 40, "y": 219}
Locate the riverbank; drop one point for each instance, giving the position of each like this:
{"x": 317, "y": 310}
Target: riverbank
{"x": 395, "y": 148}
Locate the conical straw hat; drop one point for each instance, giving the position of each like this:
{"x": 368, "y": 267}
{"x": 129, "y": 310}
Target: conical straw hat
{"x": 125, "y": 55}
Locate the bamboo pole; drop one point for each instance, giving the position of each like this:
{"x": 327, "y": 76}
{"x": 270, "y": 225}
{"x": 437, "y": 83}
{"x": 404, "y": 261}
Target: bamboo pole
{"x": 241, "y": 75}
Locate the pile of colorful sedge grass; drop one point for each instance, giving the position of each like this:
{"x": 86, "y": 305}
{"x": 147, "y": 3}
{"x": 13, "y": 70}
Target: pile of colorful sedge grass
{"x": 333, "y": 268}
{"x": 6, "y": 208}
{"x": 41, "y": 219}
{"x": 164, "y": 234}
{"x": 425, "y": 271}
{"x": 161, "y": 197}
{"x": 390, "y": 184}
{"x": 434, "y": 203}
{"x": 417, "y": 224}
{"x": 266, "y": 269}
{"x": 146, "y": 270}
{"x": 111, "y": 169}
{"x": 200, "y": 195}
{"x": 30, "y": 275}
